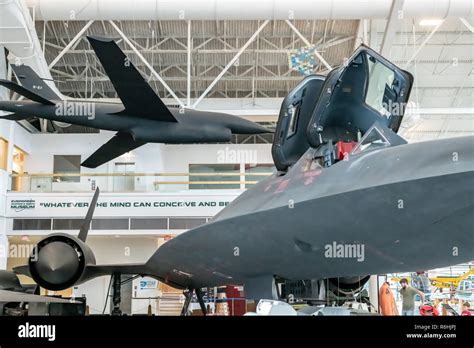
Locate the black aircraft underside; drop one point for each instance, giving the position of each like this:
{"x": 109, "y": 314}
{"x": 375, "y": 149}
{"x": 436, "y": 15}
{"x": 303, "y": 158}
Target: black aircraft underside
{"x": 353, "y": 202}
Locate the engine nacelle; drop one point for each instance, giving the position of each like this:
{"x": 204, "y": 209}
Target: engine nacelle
{"x": 347, "y": 285}
{"x": 59, "y": 261}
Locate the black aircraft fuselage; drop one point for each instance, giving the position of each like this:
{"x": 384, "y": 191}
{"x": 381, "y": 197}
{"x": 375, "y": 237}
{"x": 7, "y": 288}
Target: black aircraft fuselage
{"x": 395, "y": 209}
{"x": 141, "y": 117}
{"x": 192, "y": 126}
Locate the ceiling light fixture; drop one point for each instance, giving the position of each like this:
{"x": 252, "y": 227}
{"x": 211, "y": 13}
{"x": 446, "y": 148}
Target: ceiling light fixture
{"x": 430, "y": 22}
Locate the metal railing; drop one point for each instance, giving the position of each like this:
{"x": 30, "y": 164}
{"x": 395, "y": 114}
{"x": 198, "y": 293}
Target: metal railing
{"x": 132, "y": 182}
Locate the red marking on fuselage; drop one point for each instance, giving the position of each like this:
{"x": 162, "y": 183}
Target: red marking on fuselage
{"x": 282, "y": 186}
{"x": 310, "y": 175}
{"x": 273, "y": 182}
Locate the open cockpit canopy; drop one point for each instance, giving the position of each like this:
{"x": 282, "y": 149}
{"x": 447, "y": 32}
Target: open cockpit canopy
{"x": 366, "y": 93}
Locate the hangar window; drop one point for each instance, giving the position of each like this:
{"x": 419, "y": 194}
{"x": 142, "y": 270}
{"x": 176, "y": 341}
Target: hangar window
{"x": 186, "y": 223}
{"x": 67, "y": 164}
{"x": 216, "y": 176}
{"x": 252, "y": 172}
{"x": 31, "y": 224}
{"x": 110, "y": 224}
{"x": 67, "y": 224}
{"x": 149, "y": 224}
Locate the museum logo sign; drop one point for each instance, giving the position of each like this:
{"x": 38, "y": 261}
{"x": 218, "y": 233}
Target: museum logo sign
{"x": 22, "y": 204}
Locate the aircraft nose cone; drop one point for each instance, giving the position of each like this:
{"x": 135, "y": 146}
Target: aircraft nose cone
{"x": 57, "y": 262}
{"x": 258, "y": 128}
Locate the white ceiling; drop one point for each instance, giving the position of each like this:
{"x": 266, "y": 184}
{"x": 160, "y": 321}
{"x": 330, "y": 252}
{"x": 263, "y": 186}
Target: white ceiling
{"x": 442, "y": 68}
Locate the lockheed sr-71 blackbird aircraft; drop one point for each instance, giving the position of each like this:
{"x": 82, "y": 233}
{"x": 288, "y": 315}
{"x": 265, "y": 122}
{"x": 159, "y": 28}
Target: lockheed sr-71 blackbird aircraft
{"x": 141, "y": 117}
{"x": 345, "y": 178}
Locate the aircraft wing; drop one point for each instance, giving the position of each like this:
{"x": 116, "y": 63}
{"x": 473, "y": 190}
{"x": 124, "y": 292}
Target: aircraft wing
{"x": 119, "y": 144}
{"x": 14, "y": 296}
{"x": 93, "y": 271}
{"x": 136, "y": 94}
{"x": 23, "y": 270}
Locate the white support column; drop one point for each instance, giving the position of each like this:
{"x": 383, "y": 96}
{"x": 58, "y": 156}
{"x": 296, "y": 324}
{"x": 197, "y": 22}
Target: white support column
{"x": 307, "y": 43}
{"x": 70, "y": 44}
{"x": 4, "y": 94}
{"x": 124, "y": 37}
{"x": 4, "y": 186}
{"x": 365, "y": 34}
{"x": 4, "y": 245}
{"x": 43, "y": 125}
{"x": 374, "y": 291}
{"x": 393, "y": 24}
{"x": 242, "y": 49}
{"x": 242, "y": 176}
{"x": 4, "y": 178}
{"x": 372, "y": 42}
{"x": 361, "y": 37}
{"x": 435, "y": 29}
{"x": 11, "y": 140}
{"x": 188, "y": 89}
{"x": 110, "y": 178}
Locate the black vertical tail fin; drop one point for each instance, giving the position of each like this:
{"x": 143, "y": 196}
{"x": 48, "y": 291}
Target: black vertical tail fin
{"x": 84, "y": 231}
{"x": 30, "y": 80}
{"x": 135, "y": 93}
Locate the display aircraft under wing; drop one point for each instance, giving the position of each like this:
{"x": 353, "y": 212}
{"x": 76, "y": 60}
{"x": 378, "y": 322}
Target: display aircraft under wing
{"x": 11, "y": 290}
{"x": 141, "y": 117}
{"x": 15, "y": 296}
{"x": 351, "y": 198}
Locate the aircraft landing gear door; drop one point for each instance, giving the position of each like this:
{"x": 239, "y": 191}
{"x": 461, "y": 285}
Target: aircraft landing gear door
{"x": 290, "y": 141}
{"x": 126, "y": 181}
